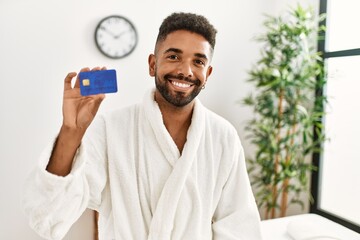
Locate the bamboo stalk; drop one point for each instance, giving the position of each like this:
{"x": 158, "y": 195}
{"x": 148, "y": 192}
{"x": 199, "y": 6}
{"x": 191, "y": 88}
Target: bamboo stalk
{"x": 284, "y": 195}
{"x": 284, "y": 198}
{"x": 277, "y": 156}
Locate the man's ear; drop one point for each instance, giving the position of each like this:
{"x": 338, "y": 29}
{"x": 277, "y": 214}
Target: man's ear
{"x": 209, "y": 71}
{"x": 151, "y": 62}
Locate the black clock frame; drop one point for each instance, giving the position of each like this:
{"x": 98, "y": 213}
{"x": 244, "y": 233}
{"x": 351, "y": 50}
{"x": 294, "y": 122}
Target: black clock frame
{"x": 132, "y": 26}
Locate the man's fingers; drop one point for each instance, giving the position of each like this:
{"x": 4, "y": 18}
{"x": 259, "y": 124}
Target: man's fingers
{"x": 68, "y": 78}
{"x": 77, "y": 82}
{"x": 86, "y": 69}
{"x": 71, "y": 75}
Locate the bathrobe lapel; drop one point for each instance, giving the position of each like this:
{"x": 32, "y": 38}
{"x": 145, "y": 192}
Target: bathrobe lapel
{"x": 165, "y": 142}
{"x": 163, "y": 217}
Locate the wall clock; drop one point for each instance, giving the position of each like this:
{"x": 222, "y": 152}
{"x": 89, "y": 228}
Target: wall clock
{"x": 116, "y": 36}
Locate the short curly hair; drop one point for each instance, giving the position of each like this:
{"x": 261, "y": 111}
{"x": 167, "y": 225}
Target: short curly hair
{"x": 190, "y": 22}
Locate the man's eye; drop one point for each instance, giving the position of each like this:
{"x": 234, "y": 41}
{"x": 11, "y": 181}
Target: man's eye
{"x": 173, "y": 57}
{"x": 199, "y": 62}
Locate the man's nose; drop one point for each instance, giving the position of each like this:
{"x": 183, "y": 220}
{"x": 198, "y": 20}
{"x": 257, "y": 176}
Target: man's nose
{"x": 185, "y": 69}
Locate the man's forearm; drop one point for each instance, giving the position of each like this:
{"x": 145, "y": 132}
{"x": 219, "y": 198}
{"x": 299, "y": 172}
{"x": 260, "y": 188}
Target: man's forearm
{"x": 64, "y": 150}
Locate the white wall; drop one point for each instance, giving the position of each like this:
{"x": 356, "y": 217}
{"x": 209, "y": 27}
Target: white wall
{"x": 42, "y": 40}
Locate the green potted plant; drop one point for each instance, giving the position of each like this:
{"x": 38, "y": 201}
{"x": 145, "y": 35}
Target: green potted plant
{"x": 287, "y": 111}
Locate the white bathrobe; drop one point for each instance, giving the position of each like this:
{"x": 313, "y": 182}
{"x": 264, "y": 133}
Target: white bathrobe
{"x": 129, "y": 169}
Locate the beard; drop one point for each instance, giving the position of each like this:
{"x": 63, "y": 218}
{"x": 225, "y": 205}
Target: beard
{"x": 178, "y": 99}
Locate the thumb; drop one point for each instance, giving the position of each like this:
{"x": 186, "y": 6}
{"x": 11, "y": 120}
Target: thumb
{"x": 95, "y": 104}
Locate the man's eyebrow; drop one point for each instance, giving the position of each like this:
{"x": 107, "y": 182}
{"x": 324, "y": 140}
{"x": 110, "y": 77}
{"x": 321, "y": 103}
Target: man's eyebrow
{"x": 176, "y": 50}
{"x": 201, "y": 55}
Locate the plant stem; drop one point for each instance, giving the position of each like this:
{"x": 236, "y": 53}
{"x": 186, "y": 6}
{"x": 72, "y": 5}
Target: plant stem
{"x": 277, "y": 156}
{"x": 284, "y": 195}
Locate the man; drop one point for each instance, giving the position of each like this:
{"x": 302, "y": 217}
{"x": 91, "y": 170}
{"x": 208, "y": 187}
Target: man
{"x": 166, "y": 168}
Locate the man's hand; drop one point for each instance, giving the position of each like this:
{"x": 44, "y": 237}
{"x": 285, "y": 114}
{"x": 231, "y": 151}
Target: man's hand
{"x": 78, "y": 113}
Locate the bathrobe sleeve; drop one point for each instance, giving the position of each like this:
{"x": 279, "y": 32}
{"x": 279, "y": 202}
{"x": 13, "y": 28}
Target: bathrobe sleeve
{"x": 236, "y": 216}
{"x": 53, "y": 203}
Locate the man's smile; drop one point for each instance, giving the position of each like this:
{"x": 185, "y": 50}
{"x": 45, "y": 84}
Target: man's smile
{"x": 180, "y": 84}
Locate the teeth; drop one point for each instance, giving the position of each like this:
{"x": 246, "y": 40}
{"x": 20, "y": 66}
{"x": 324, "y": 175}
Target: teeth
{"x": 182, "y": 85}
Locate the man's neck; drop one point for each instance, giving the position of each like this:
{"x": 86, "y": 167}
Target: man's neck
{"x": 177, "y": 120}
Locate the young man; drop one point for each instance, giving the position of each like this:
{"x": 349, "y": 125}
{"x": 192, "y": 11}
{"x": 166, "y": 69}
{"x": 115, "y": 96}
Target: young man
{"x": 164, "y": 169}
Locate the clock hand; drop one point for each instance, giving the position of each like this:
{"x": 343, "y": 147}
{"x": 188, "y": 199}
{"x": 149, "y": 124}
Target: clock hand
{"x": 109, "y": 32}
{"x": 119, "y": 35}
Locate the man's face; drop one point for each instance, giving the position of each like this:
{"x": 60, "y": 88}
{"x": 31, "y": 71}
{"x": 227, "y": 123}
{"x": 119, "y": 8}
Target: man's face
{"x": 181, "y": 66}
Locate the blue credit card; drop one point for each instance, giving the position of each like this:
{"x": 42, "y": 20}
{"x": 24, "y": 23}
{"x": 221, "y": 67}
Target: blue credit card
{"x": 96, "y": 82}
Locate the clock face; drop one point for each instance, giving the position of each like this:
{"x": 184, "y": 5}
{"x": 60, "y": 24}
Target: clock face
{"x": 115, "y": 37}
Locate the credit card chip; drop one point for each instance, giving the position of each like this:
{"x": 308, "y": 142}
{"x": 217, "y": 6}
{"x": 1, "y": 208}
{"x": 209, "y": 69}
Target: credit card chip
{"x": 85, "y": 82}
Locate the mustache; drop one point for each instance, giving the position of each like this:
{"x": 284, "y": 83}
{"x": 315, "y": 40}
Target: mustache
{"x": 196, "y": 82}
